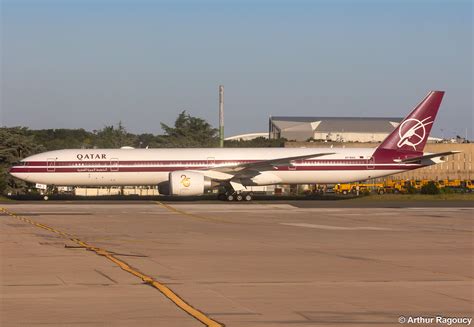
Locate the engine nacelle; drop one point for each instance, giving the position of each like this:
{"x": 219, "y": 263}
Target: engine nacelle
{"x": 164, "y": 188}
{"x": 183, "y": 182}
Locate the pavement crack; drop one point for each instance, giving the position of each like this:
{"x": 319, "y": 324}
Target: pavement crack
{"x": 106, "y": 276}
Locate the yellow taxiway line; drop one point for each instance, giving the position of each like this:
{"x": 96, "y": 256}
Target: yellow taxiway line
{"x": 166, "y": 291}
{"x": 192, "y": 215}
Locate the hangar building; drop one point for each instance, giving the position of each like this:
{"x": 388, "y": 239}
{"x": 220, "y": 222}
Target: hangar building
{"x": 335, "y": 129}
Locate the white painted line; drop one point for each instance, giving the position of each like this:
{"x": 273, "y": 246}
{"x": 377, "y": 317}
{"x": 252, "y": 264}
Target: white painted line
{"x": 440, "y": 208}
{"x": 355, "y": 214}
{"x": 229, "y": 206}
{"x": 328, "y": 227}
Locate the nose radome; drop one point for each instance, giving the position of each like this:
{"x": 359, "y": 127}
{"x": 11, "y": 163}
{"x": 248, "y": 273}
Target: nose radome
{"x": 12, "y": 171}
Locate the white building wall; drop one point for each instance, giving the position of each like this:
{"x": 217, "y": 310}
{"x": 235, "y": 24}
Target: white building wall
{"x": 350, "y": 137}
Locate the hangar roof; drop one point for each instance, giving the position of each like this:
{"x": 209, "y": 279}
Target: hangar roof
{"x": 336, "y": 124}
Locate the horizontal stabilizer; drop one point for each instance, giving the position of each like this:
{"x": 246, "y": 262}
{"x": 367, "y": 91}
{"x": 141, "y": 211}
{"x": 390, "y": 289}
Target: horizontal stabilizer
{"x": 428, "y": 156}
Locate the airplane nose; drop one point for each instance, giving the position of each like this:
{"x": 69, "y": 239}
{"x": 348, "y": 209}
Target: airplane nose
{"x": 15, "y": 173}
{"x": 12, "y": 172}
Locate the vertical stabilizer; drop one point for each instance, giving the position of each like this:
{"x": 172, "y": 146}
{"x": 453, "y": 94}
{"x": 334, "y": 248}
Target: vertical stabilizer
{"x": 412, "y": 133}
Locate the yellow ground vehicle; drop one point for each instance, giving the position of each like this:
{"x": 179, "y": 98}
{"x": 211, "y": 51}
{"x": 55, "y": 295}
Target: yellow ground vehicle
{"x": 376, "y": 187}
{"x": 343, "y": 188}
{"x": 394, "y": 186}
{"x": 402, "y": 186}
{"x": 457, "y": 185}
{"x": 468, "y": 185}
{"x": 450, "y": 183}
{"x": 363, "y": 187}
{"x": 418, "y": 184}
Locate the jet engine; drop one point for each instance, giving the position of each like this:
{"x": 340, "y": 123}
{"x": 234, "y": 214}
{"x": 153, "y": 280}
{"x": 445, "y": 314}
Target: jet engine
{"x": 185, "y": 183}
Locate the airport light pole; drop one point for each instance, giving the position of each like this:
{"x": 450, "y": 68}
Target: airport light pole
{"x": 221, "y": 116}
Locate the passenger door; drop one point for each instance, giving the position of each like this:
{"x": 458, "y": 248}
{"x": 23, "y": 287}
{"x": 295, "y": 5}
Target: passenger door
{"x": 371, "y": 163}
{"x": 114, "y": 164}
{"x": 51, "y": 165}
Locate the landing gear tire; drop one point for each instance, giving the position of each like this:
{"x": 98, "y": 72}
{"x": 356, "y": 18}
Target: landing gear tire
{"x": 235, "y": 196}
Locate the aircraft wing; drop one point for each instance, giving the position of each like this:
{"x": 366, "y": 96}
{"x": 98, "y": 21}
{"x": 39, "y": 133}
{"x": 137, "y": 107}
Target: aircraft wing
{"x": 264, "y": 164}
{"x": 428, "y": 156}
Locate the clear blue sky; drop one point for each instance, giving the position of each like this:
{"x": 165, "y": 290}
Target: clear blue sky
{"x": 84, "y": 63}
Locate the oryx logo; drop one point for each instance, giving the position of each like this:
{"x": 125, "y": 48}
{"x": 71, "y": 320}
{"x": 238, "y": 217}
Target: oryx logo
{"x": 412, "y": 132}
{"x": 185, "y": 181}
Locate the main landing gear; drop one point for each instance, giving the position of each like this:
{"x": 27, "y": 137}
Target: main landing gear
{"x": 235, "y": 196}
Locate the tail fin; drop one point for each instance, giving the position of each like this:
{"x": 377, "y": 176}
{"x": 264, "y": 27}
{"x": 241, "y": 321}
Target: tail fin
{"x": 412, "y": 133}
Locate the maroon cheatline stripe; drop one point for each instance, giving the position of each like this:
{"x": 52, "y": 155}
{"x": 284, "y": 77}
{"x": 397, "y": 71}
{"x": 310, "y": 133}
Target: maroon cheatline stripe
{"x": 22, "y": 169}
{"x": 181, "y": 162}
{"x": 131, "y": 162}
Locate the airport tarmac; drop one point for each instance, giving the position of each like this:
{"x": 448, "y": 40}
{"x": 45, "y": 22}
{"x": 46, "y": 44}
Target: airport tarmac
{"x": 260, "y": 264}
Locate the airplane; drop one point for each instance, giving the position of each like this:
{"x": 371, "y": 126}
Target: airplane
{"x": 194, "y": 171}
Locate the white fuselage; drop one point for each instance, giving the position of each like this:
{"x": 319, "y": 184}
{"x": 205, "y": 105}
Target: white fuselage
{"x": 110, "y": 167}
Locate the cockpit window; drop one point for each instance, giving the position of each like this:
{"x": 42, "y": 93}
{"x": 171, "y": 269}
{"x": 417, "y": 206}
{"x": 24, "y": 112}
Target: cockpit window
{"x": 20, "y": 163}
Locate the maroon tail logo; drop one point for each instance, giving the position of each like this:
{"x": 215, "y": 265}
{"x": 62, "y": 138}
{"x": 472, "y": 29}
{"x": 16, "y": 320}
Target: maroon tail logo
{"x": 412, "y": 132}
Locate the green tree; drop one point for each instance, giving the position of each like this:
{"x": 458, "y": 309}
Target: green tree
{"x": 15, "y": 144}
{"x": 189, "y": 132}
{"x": 429, "y": 188}
{"x": 56, "y": 139}
{"x": 114, "y": 137}
{"x": 259, "y": 142}
{"x": 148, "y": 140}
